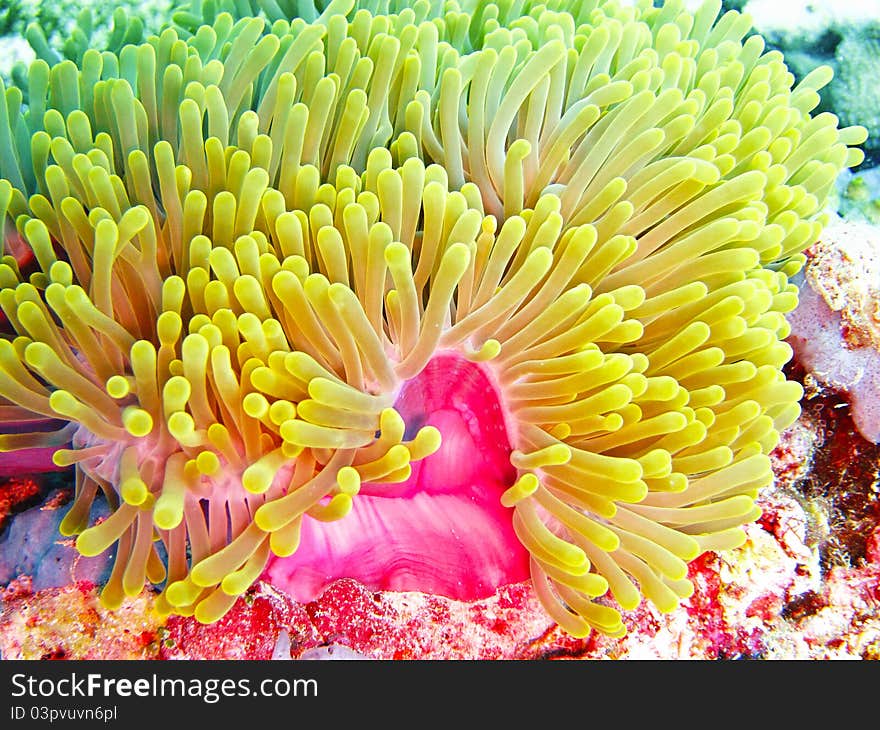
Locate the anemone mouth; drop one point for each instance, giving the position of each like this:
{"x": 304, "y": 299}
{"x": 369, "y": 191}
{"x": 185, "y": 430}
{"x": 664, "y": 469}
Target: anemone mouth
{"x": 443, "y": 530}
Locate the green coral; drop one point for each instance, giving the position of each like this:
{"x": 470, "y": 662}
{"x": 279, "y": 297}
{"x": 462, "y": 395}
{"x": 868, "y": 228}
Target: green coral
{"x": 12, "y": 16}
{"x": 66, "y": 29}
{"x": 859, "y": 200}
{"x": 841, "y": 36}
{"x": 855, "y": 93}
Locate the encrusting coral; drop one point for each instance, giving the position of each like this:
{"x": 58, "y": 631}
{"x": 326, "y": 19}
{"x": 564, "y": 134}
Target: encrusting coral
{"x": 249, "y": 235}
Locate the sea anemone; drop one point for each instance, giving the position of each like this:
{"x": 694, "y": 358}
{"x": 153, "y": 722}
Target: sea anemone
{"x": 276, "y": 266}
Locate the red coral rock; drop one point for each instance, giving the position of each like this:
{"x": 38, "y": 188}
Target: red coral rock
{"x": 872, "y": 547}
{"x": 249, "y": 631}
{"x": 766, "y": 608}
{"x": 18, "y": 588}
{"x": 349, "y": 614}
{"x": 707, "y": 617}
{"x": 15, "y": 495}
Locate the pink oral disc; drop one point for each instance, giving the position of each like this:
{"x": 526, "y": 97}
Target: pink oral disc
{"x": 444, "y": 530}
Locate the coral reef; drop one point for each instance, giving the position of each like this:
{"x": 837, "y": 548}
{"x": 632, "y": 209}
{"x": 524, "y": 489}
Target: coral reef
{"x": 15, "y": 495}
{"x": 858, "y": 196}
{"x": 71, "y": 623}
{"x": 846, "y": 36}
{"x": 836, "y": 328}
{"x": 811, "y": 22}
{"x": 855, "y": 93}
{"x": 32, "y": 29}
{"x": 767, "y": 599}
{"x": 427, "y": 301}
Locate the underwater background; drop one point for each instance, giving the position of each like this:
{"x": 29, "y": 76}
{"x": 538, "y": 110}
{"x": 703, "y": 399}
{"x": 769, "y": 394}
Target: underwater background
{"x": 806, "y": 584}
